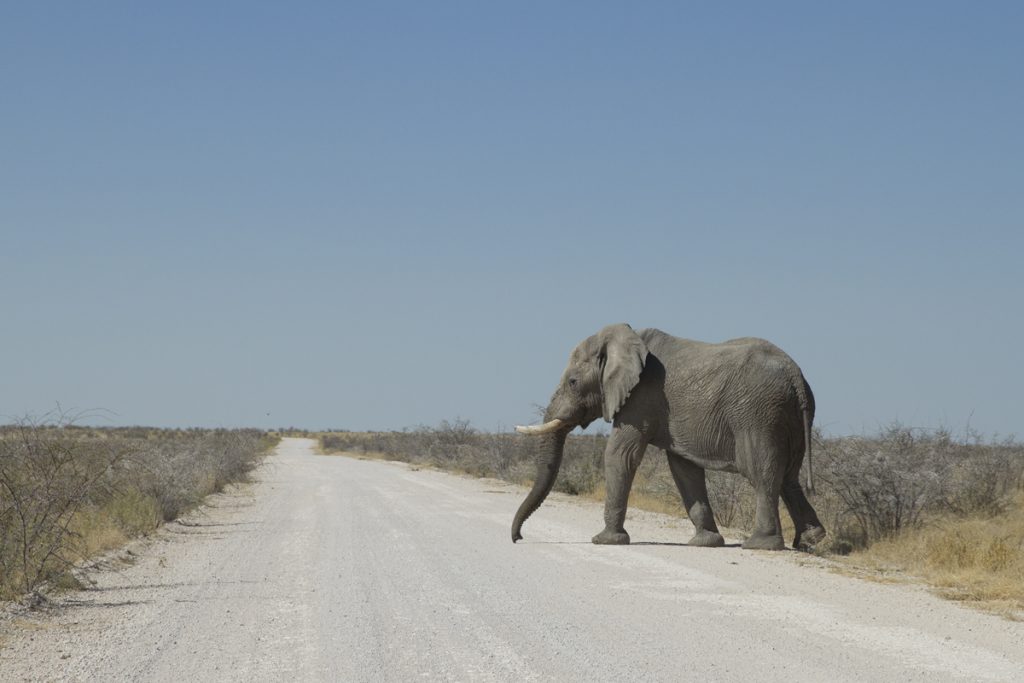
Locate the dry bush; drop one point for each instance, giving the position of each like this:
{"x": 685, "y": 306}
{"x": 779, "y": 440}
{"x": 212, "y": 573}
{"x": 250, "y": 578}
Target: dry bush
{"x": 67, "y": 492}
{"x": 47, "y": 477}
{"x": 874, "y": 488}
{"x": 732, "y": 499}
{"x": 179, "y": 469}
{"x": 458, "y": 447}
{"x": 878, "y": 486}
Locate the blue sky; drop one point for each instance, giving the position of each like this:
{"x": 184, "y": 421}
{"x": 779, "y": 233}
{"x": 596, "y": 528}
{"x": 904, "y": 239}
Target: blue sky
{"x": 391, "y": 214}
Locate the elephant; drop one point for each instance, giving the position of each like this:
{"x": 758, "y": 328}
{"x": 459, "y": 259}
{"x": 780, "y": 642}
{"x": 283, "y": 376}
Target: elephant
{"x": 738, "y": 406}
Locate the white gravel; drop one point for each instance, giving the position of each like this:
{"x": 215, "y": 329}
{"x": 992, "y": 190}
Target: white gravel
{"x": 332, "y": 568}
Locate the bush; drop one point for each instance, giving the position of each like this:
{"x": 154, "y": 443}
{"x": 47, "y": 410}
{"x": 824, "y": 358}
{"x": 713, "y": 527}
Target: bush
{"x": 179, "y": 472}
{"x": 873, "y": 488}
{"x": 457, "y": 446}
{"x": 46, "y": 478}
{"x": 67, "y": 491}
{"x": 732, "y": 499}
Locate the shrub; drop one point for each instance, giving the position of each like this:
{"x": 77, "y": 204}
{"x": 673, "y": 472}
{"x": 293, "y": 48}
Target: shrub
{"x": 68, "y": 491}
{"x": 457, "y": 446}
{"x": 46, "y": 478}
{"x": 873, "y": 488}
{"x": 732, "y": 499}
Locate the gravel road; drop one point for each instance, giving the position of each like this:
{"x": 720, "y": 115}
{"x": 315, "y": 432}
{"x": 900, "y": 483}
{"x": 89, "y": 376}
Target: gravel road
{"x": 333, "y": 568}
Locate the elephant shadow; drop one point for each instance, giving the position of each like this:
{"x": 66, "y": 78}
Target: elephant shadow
{"x": 557, "y": 543}
{"x": 651, "y": 543}
{"x": 680, "y": 545}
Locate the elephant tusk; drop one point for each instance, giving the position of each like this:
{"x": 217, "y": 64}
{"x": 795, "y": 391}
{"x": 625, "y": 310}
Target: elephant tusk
{"x": 545, "y": 428}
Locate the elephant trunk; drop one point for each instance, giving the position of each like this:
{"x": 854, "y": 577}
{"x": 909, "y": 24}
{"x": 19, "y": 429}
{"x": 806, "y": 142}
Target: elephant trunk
{"x": 548, "y": 462}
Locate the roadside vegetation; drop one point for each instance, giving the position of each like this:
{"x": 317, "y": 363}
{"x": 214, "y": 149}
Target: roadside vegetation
{"x": 69, "y": 492}
{"x": 902, "y": 501}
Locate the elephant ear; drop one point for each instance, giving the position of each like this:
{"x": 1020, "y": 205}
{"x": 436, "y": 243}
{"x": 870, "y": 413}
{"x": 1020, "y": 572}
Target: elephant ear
{"x": 623, "y": 354}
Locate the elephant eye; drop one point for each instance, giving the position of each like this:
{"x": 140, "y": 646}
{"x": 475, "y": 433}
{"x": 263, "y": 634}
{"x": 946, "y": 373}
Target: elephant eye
{"x": 572, "y": 381}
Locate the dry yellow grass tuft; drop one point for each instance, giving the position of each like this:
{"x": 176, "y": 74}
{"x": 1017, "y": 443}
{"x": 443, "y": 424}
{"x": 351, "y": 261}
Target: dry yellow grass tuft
{"x": 97, "y": 529}
{"x": 977, "y": 559}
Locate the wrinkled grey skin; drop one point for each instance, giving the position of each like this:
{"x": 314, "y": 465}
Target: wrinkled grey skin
{"x": 739, "y": 406}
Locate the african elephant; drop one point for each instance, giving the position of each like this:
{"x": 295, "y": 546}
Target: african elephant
{"x": 739, "y": 406}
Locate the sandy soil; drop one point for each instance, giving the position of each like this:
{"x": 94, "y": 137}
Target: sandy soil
{"x": 332, "y": 568}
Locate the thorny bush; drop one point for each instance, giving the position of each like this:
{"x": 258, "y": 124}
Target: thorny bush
{"x": 61, "y": 484}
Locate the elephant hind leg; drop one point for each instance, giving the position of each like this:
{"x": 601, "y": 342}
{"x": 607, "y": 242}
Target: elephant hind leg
{"x": 809, "y": 530}
{"x": 758, "y": 457}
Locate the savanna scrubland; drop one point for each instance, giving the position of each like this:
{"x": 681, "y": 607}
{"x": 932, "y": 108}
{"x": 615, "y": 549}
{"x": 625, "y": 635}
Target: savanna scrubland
{"x": 900, "y": 503}
{"x": 68, "y": 492}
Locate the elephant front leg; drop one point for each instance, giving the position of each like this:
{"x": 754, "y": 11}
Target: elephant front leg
{"x": 692, "y": 484}
{"x": 622, "y": 456}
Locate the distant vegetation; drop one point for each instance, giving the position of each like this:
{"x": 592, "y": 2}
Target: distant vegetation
{"x": 69, "y": 492}
{"x": 919, "y": 501}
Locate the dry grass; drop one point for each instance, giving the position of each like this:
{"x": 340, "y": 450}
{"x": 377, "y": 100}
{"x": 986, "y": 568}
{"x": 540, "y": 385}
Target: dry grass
{"x": 128, "y": 514}
{"x": 976, "y": 559}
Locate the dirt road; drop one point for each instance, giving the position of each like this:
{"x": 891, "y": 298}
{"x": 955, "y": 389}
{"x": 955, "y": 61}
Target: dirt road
{"x": 331, "y": 568}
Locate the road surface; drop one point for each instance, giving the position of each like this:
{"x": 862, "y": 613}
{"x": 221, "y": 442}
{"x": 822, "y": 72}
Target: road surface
{"x": 333, "y": 568}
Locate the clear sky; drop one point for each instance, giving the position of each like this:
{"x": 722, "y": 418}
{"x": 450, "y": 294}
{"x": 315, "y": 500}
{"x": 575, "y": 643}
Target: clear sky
{"x": 378, "y": 216}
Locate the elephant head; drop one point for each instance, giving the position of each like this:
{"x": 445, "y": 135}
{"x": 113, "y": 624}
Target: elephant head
{"x": 603, "y": 369}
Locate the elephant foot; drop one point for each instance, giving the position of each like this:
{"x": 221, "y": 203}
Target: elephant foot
{"x": 765, "y": 542}
{"x": 607, "y": 537}
{"x": 809, "y": 537}
{"x": 707, "y": 539}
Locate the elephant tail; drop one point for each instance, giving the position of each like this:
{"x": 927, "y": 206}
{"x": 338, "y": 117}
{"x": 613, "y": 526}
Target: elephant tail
{"x": 806, "y": 398}
{"x": 807, "y": 451}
